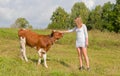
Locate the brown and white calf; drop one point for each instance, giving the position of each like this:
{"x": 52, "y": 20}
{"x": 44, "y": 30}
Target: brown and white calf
{"x": 42, "y": 43}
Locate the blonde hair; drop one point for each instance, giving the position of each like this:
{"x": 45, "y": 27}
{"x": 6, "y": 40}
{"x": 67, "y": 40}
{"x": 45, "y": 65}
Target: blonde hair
{"x": 78, "y": 22}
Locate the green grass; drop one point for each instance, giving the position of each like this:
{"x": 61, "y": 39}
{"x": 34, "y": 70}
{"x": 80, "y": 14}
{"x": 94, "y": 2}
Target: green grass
{"x": 62, "y": 59}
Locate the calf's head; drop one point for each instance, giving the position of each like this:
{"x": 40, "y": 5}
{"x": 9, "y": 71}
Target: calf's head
{"x": 57, "y": 35}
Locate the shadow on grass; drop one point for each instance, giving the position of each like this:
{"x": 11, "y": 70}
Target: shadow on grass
{"x": 35, "y": 60}
{"x": 64, "y": 63}
{"x": 61, "y": 62}
{"x": 58, "y": 61}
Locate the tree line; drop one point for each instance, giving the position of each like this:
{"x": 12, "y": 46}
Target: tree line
{"x": 106, "y": 17}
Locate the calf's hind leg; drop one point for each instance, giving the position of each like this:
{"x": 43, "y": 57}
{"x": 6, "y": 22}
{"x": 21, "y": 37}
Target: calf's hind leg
{"x": 23, "y": 49}
{"x": 40, "y": 56}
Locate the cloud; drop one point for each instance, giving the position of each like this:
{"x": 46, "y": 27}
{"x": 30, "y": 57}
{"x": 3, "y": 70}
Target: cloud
{"x": 4, "y": 1}
{"x": 37, "y": 12}
{"x": 89, "y": 3}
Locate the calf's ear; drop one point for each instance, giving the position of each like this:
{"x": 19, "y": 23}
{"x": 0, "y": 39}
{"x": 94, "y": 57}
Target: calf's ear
{"x": 52, "y": 33}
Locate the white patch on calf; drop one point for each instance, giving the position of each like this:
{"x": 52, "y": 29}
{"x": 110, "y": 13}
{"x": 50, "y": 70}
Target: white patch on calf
{"x": 35, "y": 47}
{"x": 23, "y": 49}
{"x": 45, "y": 57}
{"x": 40, "y": 55}
{"x": 24, "y": 29}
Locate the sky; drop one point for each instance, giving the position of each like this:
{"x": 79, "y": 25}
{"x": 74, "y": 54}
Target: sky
{"x": 38, "y": 12}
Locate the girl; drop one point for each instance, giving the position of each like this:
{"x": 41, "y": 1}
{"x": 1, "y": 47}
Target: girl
{"x": 81, "y": 41}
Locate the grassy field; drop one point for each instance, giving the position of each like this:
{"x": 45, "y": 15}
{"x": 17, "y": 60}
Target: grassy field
{"x": 62, "y": 59}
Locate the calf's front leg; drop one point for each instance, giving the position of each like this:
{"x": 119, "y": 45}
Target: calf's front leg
{"x": 44, "y": 57}
{"x": 41, "y": 54}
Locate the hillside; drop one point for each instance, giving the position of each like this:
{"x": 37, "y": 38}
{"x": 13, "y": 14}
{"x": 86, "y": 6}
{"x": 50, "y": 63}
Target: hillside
{"x": 62, "y": 59}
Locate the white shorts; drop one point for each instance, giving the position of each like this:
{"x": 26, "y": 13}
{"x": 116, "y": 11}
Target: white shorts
{"x": 80, "y": 44}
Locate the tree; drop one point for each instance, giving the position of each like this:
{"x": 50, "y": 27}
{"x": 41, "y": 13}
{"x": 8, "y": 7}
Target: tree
{"x": 21, "y": 23}
{"x": 94, "y": 20}
{"x": 79, "y": 9}
{"x": 101, "y": 18}
{"x": 117, "y": 16}
{"x": 59, "y": 19}
{"x": 107, "y": 16}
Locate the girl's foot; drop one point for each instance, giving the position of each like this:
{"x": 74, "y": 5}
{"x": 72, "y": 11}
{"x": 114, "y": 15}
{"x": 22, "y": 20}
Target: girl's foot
{"x": 88, "y": 69}
{"x": 81, "y": 68}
